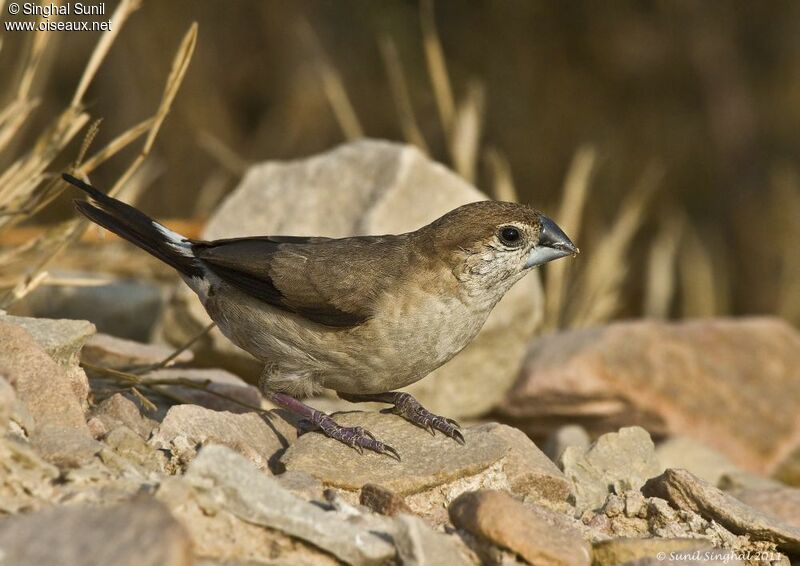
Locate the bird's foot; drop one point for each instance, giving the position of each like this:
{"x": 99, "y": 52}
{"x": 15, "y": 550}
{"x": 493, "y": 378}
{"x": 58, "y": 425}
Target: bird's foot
{"x": 356, "y": 437}
{"x": 410, "y": 409}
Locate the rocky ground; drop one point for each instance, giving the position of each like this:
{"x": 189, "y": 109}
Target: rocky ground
{"x": 196, "y": 476}
{"x": 146, "y": 463}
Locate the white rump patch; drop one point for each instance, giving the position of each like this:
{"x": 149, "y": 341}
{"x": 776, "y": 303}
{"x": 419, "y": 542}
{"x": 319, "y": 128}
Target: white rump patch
{"x": 174, "y": 240}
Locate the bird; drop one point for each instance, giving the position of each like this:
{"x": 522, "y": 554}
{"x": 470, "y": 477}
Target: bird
{"x": 363, "y": 316}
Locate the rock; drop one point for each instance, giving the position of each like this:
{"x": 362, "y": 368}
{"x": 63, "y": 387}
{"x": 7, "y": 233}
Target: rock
{"x": 59, "y": 431}
{"x": 368, "y": 187}
{"x": 383, "y": 500}
{"x": 634, "y": 550}
{"x": 419, "y": 545}
{"x": 220, "y": 382}
{"x": 564, "y": 437}
{"x": 188, "y": 427}
{"x": 8, "y": 401}
{"x": 617, "y": 461}
{"x": 66, "y": 447}
{"x": 302, "y": 484}
{"x": 220, "y": 537}
{"x": 704, "y": 462}
{"x": 695, "y": 379}
{"x": 127, "y": 308}
{"x": 109, "y": 351}
{"x": 788, "y": 471}
{"x": 707, "y": 464}
{"x": 120, "y": 410}
{"x": 141, "y": 533}
{"x": 781, "y": 502}
{"x": 230, "y": 483}
{"x": 433, "y": 470}
{"x": 633, "y": 516}
{"x": 129, "y": 445}
{"x": 62, "y": 340}
{"x": 26, "y": 481}
{"x": 524, "y": 529}
{"x": 686, "y": 491}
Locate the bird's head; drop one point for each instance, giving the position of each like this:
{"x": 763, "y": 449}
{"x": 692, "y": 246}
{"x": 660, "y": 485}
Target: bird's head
{"x": 490, "y": 245}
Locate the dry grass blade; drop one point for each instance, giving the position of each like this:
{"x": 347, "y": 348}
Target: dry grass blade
{"x": 13, "y": 118}
{"x": 223, "y": 154}
{"x": 466, "y": 134}
{"x": 661, "y": 268}
{"x": 48, "y": 247}
{"x": 19, "y": 182}
{"x": 116, "y": 145}
{"x": 400, "y": 95}
{"x": 575, "y": 191}
{"x": 25, "y": 287}
{"x": 698, "y": 291}
{"x": 786, "y": 208}
{"x": 127, "y": 380}
{"x": 31, "y": 66}
{"x": 177, "y": 352}
{"x": 502, "y": 179}
{"x": 119, "y": 17}
{"x": 333, "y": 86}
{"x": 180, "y": 64}
{"x": 437, "y": 67}
{"x": 598, "y": 291}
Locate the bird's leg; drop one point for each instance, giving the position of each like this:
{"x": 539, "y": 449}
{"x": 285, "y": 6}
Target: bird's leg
{"x": 410, "y": 409}
{"x": 355, "y": 436}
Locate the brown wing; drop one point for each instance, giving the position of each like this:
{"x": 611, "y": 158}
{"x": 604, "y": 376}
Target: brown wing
{"x": 334, "y": 282}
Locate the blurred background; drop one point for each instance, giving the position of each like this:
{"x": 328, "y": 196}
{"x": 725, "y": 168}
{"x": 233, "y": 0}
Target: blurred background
{"x": 663, "y": 134}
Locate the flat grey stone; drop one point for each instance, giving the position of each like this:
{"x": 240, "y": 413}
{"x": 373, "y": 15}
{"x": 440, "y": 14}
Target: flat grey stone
{"x": 434, "y": 469}
{"x": 141, "y": 533}
{"x": 419, "y": 545}
{"x": 109, "y": 351}
{"x": 127, "y": 308}
{"x": 233, "y": 484}
{"x": 219, "y": 382}
{"x": 188, "y": 427}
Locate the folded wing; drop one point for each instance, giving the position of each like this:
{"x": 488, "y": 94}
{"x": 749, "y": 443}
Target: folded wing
{"x": 334, "y": 282}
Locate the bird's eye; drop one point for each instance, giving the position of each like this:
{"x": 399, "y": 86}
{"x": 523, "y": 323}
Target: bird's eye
{"x": 510, "y": 235}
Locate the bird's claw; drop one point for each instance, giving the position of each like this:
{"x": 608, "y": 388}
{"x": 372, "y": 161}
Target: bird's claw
{"x": 356, "y": 437}
{"x": 411, "y": 410}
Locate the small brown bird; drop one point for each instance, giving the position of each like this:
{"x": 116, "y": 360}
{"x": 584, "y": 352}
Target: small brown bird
{"x": 362, "y": 316}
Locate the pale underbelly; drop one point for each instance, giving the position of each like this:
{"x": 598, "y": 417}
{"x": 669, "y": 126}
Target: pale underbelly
{"x": 380, "y": 355}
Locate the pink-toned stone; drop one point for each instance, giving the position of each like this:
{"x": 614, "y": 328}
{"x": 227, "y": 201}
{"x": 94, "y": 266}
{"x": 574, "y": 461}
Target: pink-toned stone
{"x": 733, "y": 385}
{"x": 781, "y": 502}
{"x": 534, "y": 533}
{"x": 59, "y": 432}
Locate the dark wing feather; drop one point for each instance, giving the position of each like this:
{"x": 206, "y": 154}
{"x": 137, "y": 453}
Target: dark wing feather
{"x": 327, "y": 281}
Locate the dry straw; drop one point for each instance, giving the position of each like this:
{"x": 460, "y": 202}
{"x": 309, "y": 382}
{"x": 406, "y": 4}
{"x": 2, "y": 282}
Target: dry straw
{"x": 27, "y": 184}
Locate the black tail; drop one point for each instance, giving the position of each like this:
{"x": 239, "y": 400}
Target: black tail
{"x": 138, "y": 228}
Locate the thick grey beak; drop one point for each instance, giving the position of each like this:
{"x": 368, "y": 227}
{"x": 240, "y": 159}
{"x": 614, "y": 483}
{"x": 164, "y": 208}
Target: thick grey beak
{"x": 553, "y": 244}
